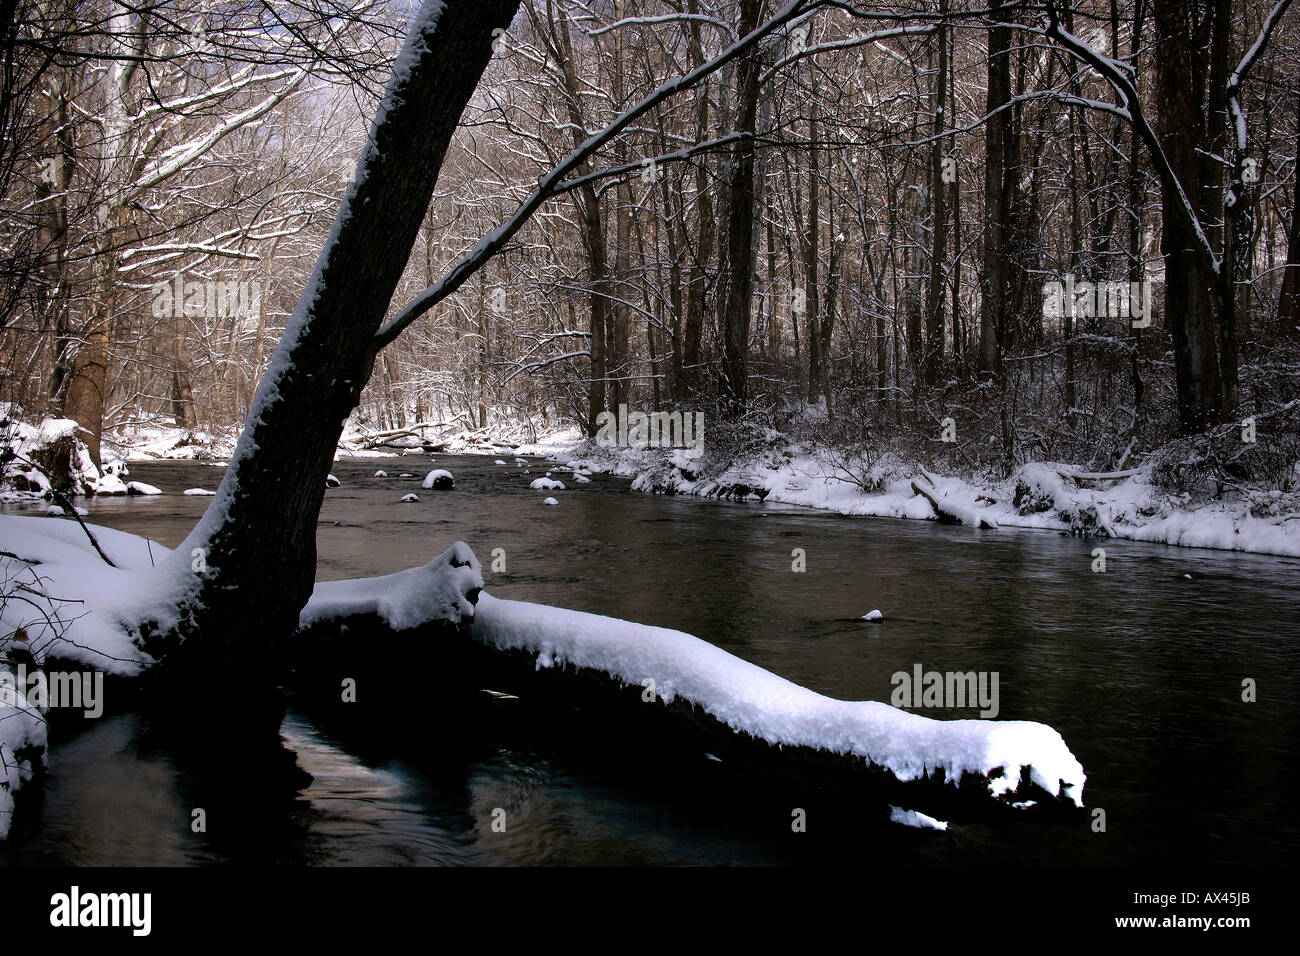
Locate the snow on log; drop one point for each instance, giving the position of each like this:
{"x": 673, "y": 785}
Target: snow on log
{"x": 1004, "y": 765}
{"x": 442, "y": 590}
{"x": 953, "y": 512}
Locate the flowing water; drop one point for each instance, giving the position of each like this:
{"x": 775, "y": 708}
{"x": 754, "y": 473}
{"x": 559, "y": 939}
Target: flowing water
{"x": 1140, "y": 668}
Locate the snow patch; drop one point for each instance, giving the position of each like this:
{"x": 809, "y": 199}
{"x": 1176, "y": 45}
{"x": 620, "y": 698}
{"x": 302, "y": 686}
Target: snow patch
{"x": 913, "y": 818}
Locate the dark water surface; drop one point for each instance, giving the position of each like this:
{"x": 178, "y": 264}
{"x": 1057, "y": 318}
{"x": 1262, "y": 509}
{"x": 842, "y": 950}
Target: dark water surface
{"x": 1139, "y": 668}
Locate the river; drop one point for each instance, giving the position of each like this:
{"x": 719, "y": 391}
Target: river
{"x": 1140, "y": 668}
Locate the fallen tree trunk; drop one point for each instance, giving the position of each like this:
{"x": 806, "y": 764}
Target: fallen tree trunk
{"x": 948, "y": 513}
{"x": 771, "y": 727}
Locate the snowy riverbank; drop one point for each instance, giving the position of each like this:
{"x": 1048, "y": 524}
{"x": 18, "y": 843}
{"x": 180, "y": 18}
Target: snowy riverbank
{"x": 1052, "y": 496}
{"x": 1041, "y": 495}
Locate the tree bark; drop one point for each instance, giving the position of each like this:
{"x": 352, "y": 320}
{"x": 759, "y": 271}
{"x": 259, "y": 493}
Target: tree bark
{"x": 934, "y": 299}
{"x": 997, "y": 208}
{"x": 1191, "y": 299}
{"x": 258, "y": 537}
{"x": 740, "y": 223}
{"x": 1288, "y": 307}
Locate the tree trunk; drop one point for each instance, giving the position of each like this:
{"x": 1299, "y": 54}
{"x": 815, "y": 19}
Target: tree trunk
{"x": 811, "y": 235}
{"x": 934, "y": 299}
{"x": 258, "y": 537}
{"x": 1288, "y": 306}
{"x": 1191, "y": 297}
{"x": 740, "y": 223}
{"x": 997, "y": 135}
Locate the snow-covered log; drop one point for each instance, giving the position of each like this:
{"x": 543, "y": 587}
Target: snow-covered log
{"x": 953, "y": 512}
{"x": 747, "y": 715}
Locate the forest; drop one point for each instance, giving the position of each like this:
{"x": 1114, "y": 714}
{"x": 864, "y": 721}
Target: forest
{"x": 1069, "y": 231}
{"x": 417, "y": 326}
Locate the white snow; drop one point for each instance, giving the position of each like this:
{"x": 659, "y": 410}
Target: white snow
{"x": 410, "y": 497}
{"x": 140, "y": 488}
{"x": 914, "y": 818}
{"x": 381, "y": 474}
{"x": 198, "y": 492}
{"x": 1040, "y": 495}
{"x": 109, "y": 485}
{"x": 407, "y": 599}
{"x": 546, "y": 484}
{"x": 434, "y": 475}
{"x": 499, "y": 462}
{"x": 89, "y": 632}
{"x": 550, "y": 501}
{"x": 58, "y": 511}
{"x": 22, "y": 728}
{"x": 751, "y": 700}
{"x": 875, "y": 615}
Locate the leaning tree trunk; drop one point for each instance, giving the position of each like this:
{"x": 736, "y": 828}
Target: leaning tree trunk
{"x": 248, "y": 567}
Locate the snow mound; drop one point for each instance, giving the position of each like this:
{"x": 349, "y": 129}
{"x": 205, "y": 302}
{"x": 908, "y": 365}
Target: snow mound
{"x": 410, "y": 498}
{"x": 110, "y": 485}
{"x": 550, "y": 501}
{"x": 439, "y": 480}
{"x": 331, "y": 481}
{"x": 438, "y": 591}
{"x": 875, "y": 615}
{"x": 90, "y": 631}
{"x": 749, "y": 699}
{"x": 381, "y": 474}
{"x": 198, "y": 492}
{"x": 546, "y": 484}
{"x": 499, "y": 462}
{"x": 140, "y": 488}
